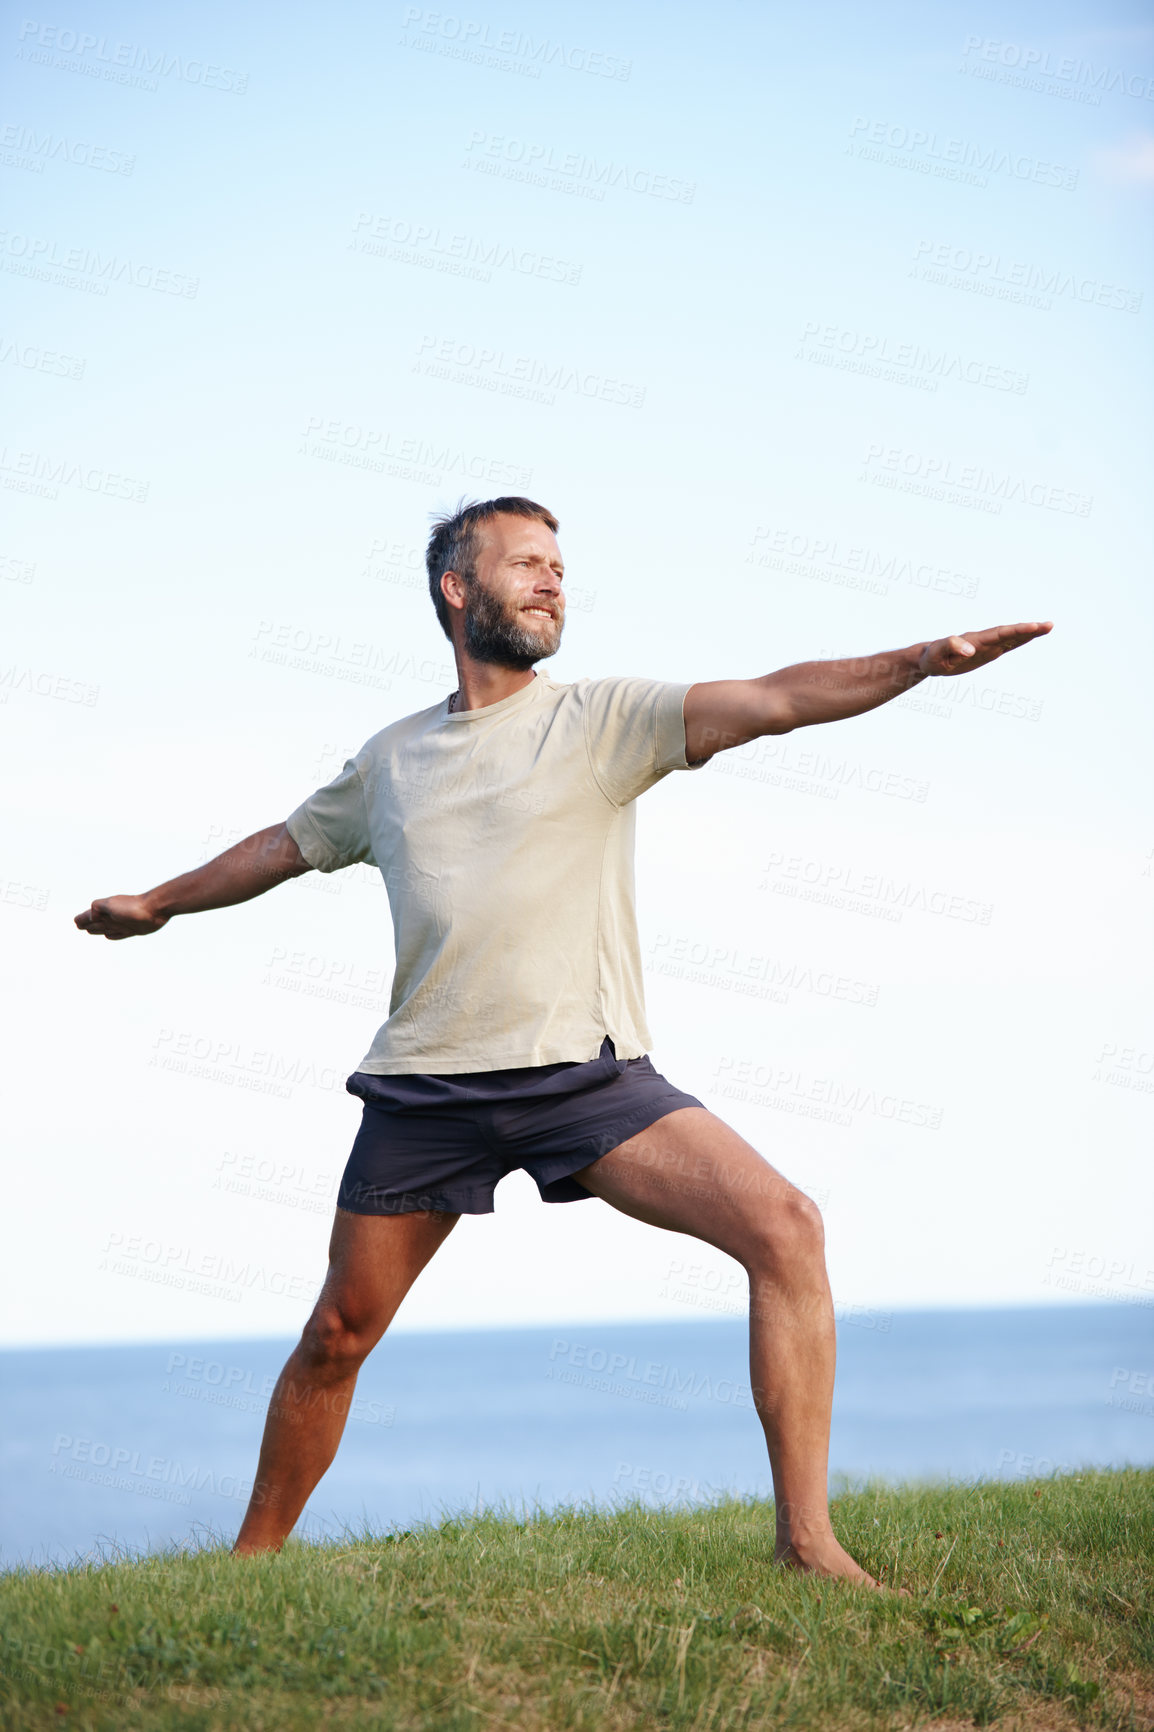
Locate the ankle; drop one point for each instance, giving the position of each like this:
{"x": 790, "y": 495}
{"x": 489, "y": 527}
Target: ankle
{"x": 803, "y": 1525}
{"x": 251, "y": 1547}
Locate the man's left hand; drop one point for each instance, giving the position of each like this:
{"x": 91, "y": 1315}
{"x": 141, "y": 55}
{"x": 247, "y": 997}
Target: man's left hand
{"x": 973, "y": 649}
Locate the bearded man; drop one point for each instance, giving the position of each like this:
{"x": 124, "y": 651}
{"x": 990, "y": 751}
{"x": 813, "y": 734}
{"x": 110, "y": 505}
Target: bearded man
{"x": 502, "y": 821}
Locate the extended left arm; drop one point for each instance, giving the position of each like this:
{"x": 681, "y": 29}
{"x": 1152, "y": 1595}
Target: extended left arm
{"x": 724, "y": 713}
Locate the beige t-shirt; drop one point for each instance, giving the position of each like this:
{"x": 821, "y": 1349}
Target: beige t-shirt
{"x": 505, "y": 839}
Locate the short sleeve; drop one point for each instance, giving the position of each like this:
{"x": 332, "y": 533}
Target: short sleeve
{"x": 634, "y": 734}
{"x": 331, "y": 827}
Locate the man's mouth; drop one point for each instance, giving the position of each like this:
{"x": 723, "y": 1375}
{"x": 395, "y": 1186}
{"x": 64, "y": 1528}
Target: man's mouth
{"x": 546, "y": 612}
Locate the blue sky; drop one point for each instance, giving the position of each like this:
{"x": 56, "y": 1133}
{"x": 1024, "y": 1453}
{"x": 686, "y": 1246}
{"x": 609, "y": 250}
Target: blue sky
{"x": 822, "y": 331}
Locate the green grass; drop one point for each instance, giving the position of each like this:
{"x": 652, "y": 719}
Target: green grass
{"x": 1031, "y": 1605}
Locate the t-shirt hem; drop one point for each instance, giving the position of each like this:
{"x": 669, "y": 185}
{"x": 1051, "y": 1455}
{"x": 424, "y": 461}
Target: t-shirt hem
{"x": 519, "y": 1058}
{"x": 669, "y": 728}
{"x": 314, "y": 847}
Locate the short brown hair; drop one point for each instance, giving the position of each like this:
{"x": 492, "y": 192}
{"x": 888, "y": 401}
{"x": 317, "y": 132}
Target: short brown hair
{"x": 454, "y": 543}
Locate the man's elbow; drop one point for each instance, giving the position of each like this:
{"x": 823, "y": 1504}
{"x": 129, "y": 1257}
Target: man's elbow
{"x": 777, "y": 714}
{"x": 780, "y": 720}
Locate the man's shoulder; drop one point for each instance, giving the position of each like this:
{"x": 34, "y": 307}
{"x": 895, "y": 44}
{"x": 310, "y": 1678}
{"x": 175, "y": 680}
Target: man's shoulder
{"x": 590, "y": 685}
{"x": 611, "y": 692}
{"x": 604, "y": 698}
{"x": 398, "y": 733}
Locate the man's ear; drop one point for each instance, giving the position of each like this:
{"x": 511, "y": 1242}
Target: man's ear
{"x": 454, "y": 590}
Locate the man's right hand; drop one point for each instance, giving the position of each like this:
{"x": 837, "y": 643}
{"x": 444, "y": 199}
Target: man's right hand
{"x": 245, "y": 870}
{"x": 120, "y": 917}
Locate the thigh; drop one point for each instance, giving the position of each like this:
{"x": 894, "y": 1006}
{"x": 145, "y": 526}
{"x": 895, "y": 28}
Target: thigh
{"x": 373, "y": 1261}
{"x": 690, "y": 1172}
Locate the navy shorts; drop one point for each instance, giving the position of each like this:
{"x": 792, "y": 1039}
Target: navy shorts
{"x": 445, "y": 1142}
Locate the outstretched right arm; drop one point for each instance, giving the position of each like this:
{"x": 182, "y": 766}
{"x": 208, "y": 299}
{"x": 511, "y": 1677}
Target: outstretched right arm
{"x": 246, "y": 870}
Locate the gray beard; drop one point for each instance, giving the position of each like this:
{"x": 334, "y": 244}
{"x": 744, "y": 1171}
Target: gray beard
{"x": 493, "y": 635}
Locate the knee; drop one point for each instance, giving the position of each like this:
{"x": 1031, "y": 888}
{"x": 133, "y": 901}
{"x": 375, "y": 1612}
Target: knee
{"x": 788, "y": 1236}
{"x": 337, "y": 1339}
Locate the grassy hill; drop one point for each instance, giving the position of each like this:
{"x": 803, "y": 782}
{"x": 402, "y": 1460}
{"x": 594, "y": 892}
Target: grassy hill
{"x": 1031, "y": 1606}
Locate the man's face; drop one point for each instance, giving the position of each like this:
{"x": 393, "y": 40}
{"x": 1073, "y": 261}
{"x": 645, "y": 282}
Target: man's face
{"x": 514, "y": 608}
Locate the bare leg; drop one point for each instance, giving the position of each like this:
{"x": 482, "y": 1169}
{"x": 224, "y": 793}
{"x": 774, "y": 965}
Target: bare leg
{"x": 373, "y": 1261}
{"x": 690, "y": 1172}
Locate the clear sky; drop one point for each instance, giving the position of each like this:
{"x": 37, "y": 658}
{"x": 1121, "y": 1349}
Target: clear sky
{"x": 823, "y": 330}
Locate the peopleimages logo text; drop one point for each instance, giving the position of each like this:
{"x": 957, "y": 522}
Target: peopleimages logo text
{"x": 103, "y": 57}
{"x": 472, "y": 36}
{"x": 573, "y": 166}
{"x": 960, "y": 153}
{"x": 37, "y": 254}
{"x": 999, "y": 485}
{"x": 1044, "y": 63}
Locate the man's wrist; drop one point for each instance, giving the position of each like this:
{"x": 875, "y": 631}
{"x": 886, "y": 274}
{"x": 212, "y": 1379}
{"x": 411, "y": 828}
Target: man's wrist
{"x": 914, "y": 673}
{"x": 159, "y": 904}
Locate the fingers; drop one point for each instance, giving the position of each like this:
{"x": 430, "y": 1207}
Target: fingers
{"x": 129, "y": 919}
{"x": 97, "y": 921}
{"x": 1010, "y": 636}
{"x": 975, "y": 648}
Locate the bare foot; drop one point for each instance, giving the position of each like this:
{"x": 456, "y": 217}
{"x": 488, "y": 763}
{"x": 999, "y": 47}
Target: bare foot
{"x": 825, "y": 1557}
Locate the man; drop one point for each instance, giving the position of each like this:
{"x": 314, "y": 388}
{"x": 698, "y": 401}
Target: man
{"x": 502, "y": 821}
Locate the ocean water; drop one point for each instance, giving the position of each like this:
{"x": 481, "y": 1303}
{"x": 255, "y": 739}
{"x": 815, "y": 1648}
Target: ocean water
{"x": 114, "y": 1450}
